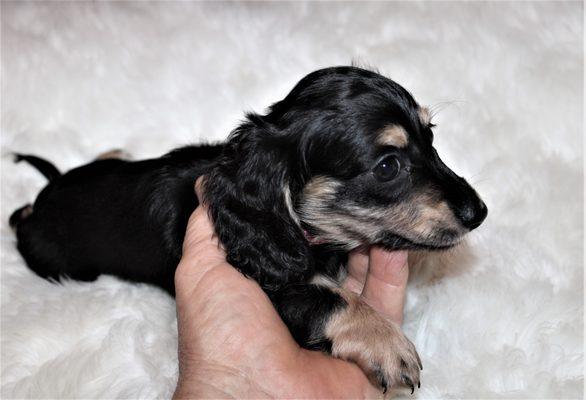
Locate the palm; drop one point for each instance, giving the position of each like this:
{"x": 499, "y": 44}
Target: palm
{"x": 233, "y": 342}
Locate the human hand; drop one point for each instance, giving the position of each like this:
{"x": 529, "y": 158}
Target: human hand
{"x": 232, "y": 342}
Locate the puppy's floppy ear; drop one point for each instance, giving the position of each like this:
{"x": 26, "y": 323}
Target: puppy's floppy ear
{"x": 249, "y": 195}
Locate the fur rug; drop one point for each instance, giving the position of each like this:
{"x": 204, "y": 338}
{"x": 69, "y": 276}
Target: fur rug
{"x": 501, "y": 317}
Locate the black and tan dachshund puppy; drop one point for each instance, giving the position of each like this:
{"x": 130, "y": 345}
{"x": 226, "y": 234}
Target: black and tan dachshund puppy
{"x": 345, "y": 160}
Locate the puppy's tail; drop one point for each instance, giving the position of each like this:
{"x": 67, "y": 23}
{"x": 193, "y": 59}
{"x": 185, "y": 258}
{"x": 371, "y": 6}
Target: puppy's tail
{"x": 43, "y": 166}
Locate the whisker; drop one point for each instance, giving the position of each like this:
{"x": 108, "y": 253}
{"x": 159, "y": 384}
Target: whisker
{"x": 442, "y": 105}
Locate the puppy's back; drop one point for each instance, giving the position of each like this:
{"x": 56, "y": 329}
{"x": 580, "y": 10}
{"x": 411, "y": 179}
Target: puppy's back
{"x": 114, "y": 217}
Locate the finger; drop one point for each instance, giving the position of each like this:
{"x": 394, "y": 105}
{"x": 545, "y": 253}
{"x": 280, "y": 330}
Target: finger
{"x": 201, "y": 245}
{"x": 322, "y": 376}
{"x": 199, "y": 187}
{"x": 200, "y": 228}
{"x": 357, "y": 270}
{"x": 386, "y": 282}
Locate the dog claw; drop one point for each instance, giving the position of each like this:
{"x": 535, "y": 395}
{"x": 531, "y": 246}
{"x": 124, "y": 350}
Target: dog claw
{"x": 383, "y": 382}
{"x": 381, "y": 379}
{"x": 419, "y": 362}
{"x": 408, "y": 382}
{"x": 419, "y": 385}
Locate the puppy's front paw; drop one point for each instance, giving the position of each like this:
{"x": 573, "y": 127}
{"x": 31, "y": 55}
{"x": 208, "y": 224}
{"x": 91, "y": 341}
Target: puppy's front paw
{"x": 377, "y": 345}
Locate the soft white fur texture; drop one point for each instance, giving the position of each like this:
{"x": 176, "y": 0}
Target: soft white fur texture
{"x": 501, "y": 317}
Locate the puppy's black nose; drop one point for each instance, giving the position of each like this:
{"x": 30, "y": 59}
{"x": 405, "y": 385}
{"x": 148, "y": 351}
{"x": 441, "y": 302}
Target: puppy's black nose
{"x": 472, "y": 213}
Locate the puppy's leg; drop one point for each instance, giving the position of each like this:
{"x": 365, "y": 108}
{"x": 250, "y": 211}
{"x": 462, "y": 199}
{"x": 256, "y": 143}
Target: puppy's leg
{"x": 337, "y": 321}
{"x": 117, "y": 154}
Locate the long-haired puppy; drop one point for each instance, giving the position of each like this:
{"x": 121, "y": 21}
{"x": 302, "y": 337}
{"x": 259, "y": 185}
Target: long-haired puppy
{"x": 345, "y": 160}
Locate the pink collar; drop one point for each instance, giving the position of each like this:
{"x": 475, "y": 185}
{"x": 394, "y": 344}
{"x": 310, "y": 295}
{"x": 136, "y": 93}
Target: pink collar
{"x": 313, "y": 241}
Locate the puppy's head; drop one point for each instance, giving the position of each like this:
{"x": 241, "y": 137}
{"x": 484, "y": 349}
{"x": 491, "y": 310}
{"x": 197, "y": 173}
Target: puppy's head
{"x": 346, "y": 157}
{"x": 371, "y": 172}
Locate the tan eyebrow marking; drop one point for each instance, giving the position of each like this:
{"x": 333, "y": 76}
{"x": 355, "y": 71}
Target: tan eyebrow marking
{"x": 393, "y": 135}
{"x": 424, "y": 115}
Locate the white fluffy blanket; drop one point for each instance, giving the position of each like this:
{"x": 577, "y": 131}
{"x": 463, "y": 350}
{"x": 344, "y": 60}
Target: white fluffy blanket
{"x": 499, "y": 318}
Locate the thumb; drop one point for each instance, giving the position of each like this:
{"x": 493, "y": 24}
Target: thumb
{"x": 199, "y": 188}
{"x": 386, "y": 282}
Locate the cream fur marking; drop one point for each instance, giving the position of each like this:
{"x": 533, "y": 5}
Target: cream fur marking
{"x": 117, "y": 154}
{"x": 317, "y": 197}
{"x": 360, "y": 334}
{"x": 289, "y": 204}
{"x": 420, "y": 217}
{"x": 393, "y": 135}
{"x": 323, "y": 280}
{"x": 424, "y": 115}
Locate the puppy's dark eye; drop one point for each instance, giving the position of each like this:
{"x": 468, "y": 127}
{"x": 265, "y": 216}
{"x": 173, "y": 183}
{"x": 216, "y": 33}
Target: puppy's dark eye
{"x": 388, "y": 168}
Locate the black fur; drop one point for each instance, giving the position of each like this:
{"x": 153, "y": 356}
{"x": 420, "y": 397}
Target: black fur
{"x": 245, "y": 192}
{"x": 128, "y": 218}
{"x": 115, "y": 217}
{"x": 48, "y": 170}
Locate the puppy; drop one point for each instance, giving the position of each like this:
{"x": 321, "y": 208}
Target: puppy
{"x": 345, "y": 160}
